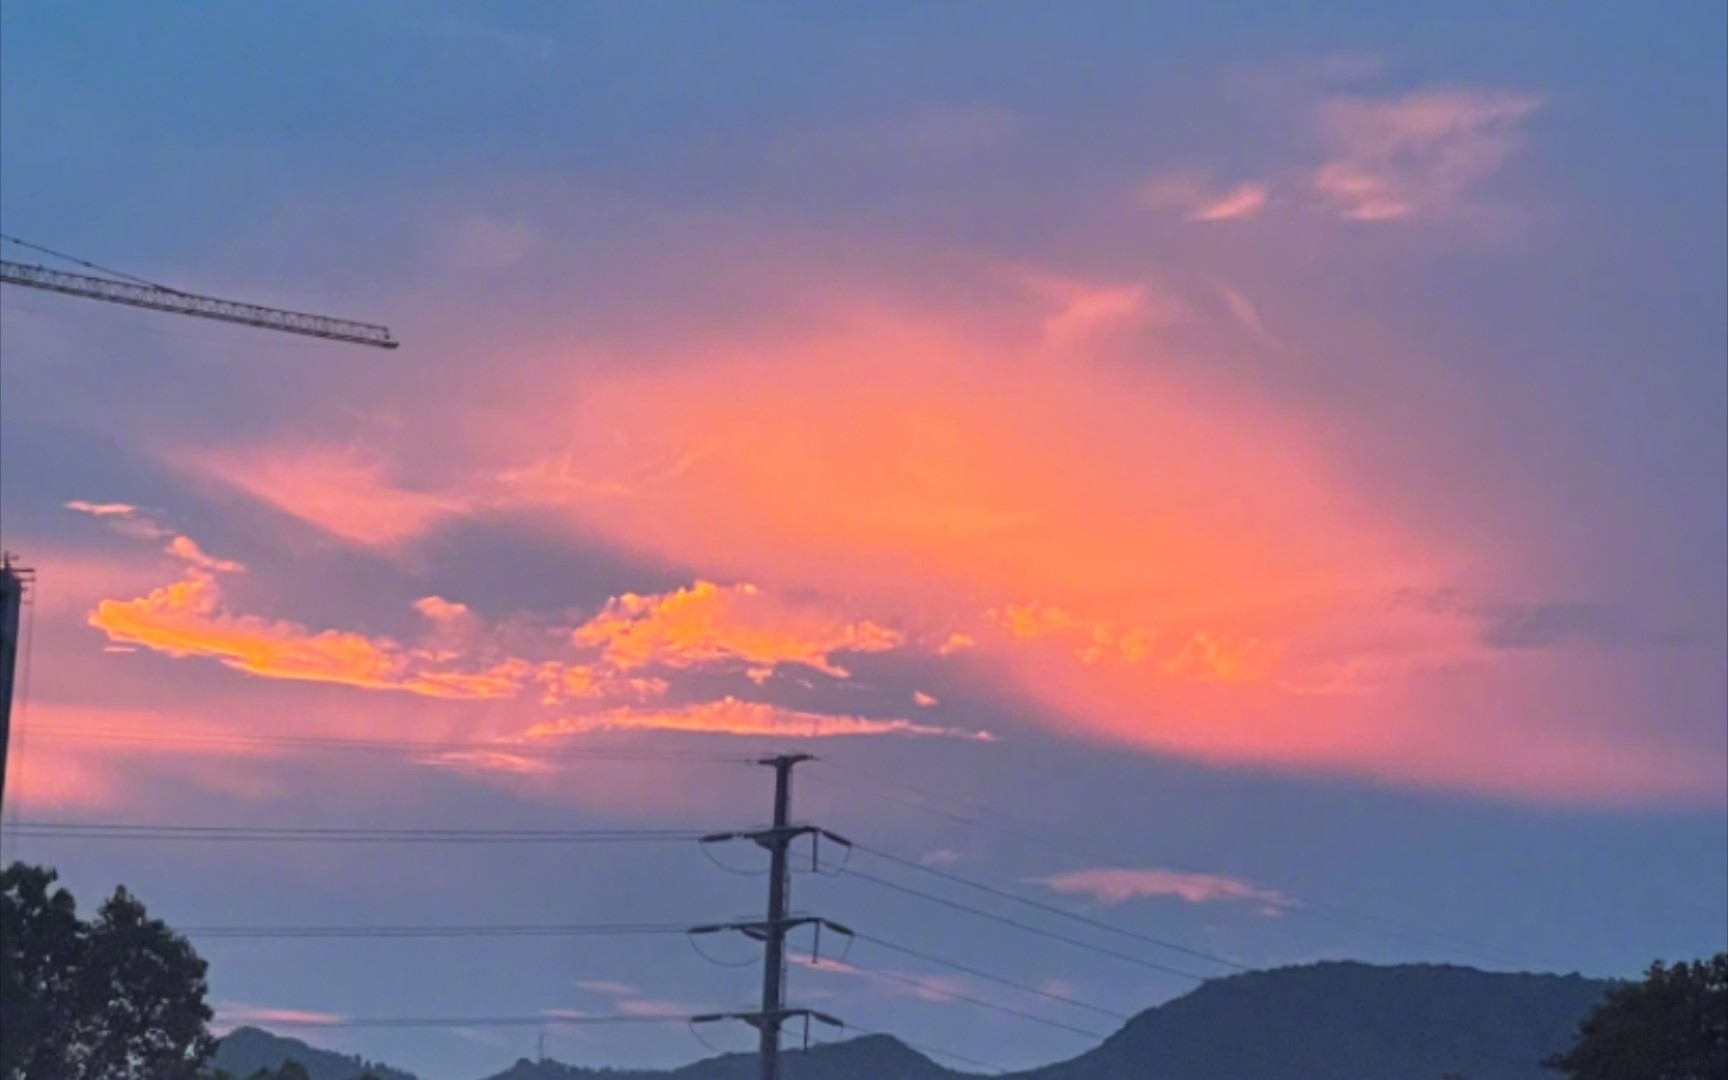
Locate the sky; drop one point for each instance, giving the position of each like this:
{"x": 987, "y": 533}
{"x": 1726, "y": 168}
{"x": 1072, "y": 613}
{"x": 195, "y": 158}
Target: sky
{"x": 1254, "y": 474}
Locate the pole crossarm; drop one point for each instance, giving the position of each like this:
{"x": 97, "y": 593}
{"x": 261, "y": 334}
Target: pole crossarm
{"x": 768, "y": 838}
{"x": 157, "y": 298}
{"x": 770, "y": 1020}
{"x": 759, "y": 929}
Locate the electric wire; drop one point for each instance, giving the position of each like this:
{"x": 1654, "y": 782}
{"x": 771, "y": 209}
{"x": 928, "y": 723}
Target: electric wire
{"x": 1050, "y": 909}
{"x": 949, "y": 993}
{"x": 424, "y": 931}
{"x": 317, "y": 835}
{"x": 1071, "y": 842}
{"x": 553, "y": 1020}
{"x": 976, "y": 973}
{"x": 1016, "y": 924}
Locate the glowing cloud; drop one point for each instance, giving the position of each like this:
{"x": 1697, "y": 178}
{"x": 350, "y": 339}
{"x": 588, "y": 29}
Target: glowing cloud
{"x": 188, "y": 618}
{"x": 102, "y": 510}
{"x": 708, "y": 623}
{"x": 1113, "y": 886}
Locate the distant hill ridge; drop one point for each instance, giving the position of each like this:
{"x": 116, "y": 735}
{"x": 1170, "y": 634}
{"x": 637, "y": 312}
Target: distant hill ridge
{"x": 245, "y": 1050}
{"x": 1326, "y": 1021}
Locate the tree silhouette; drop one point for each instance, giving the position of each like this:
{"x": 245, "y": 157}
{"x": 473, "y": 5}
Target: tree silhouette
{"x": 1671, "y": 1026}
{"x": 118, "y": 998}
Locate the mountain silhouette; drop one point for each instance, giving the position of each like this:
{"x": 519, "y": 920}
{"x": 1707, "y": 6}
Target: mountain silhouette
{"x": 245, "y": 1050}
{"x": 1326, "y": 1021}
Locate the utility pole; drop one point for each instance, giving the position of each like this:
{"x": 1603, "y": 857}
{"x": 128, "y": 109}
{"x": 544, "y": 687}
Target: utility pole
{"x": 774, "y": 952}
{"x": 772, "y": 931}
{"x": 13, "y": 580}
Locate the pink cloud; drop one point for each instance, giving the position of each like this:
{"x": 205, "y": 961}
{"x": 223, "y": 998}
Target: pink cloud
{"x": 1112, "y": 885}
{"x": 102, "y": 510}
{"x": 1222, "y": 559}
{"x": 1239, "y": 203}
{"x": 345, "y": 494}
{"x": 233, "y": 1014}
{"x": 1200, "y": 199}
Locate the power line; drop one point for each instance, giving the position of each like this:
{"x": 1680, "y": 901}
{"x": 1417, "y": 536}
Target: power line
{"x": 1051, "y": 909}
{"x": 1048, "y": 995}
{"x": 552, "y": 1020}
{"x": 1025, "y": 927}
{"x": 420, "y": 932}
{"x": 273, "y": 834}
{"x": 1071, "y": 842}
{"x": 423, "y": 931}
{"x": 946, "y": 992}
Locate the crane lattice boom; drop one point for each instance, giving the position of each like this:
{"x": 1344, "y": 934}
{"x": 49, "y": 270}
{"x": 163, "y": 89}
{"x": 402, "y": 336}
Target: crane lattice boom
{"x": 157, "y": 298}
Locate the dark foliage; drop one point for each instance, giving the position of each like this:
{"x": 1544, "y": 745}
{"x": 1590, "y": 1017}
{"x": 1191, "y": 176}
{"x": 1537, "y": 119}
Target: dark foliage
{"x": 120, "y": 997}
{"x": 1671, "y": 1026}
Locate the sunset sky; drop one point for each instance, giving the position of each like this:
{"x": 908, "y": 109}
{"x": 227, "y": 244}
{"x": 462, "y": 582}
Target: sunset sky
{"x": 1258, "y": 476}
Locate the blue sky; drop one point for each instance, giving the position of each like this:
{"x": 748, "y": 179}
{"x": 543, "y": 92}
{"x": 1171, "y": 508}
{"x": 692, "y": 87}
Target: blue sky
{"x": 1293, "y": 433}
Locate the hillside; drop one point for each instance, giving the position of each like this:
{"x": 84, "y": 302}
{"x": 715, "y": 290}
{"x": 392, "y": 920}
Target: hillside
{"x": 244, "y": 1051}
{"x": 1330, "y": 1021}
{"x": 1345, "y": 1020}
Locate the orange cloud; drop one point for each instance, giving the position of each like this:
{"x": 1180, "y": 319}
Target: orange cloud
{"x": 919, "y": 466}
{"x": 1113, "y": 885}
{"x": 730, "y": 716}
{"x": 708, "y": 623}
{"x": 1213, "y": 659}
{"x": 188, "y": 618}
{"x": 933, "y": 467}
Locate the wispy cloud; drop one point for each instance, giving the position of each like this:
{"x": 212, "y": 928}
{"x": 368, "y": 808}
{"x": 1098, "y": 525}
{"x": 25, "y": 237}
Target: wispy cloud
{"x": 1116, "y": 885}
{"x": 233, "y": 1014}
{"x": 729, "y": 716}
{"x": 1240, "y": 202}
{"x": 1197, "y": 197}
{"x": 630, "y": 1001}
{"x": 123, "y": 518}
{"x": 112, "y": 509}
{"x": 344, "y": 493}
{"x": 1418, "y": 154}
{"x": 915, "y": 985}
